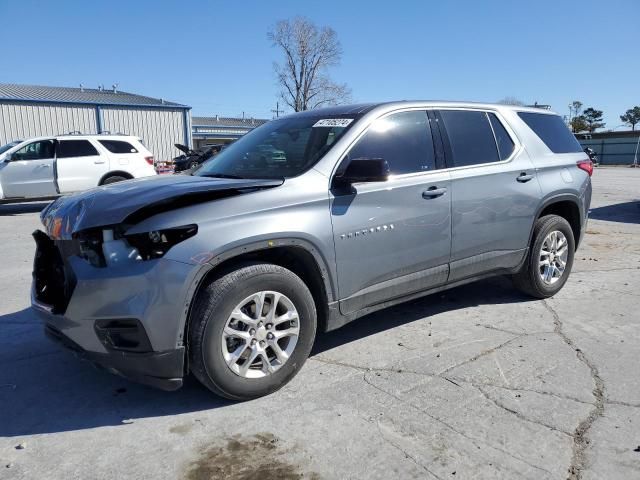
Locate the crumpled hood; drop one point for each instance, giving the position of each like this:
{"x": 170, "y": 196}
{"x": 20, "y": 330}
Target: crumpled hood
{"x": 137, "y": 199}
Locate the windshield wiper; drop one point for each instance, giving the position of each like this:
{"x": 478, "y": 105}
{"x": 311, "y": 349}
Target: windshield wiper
{"x": 221, "y": 175}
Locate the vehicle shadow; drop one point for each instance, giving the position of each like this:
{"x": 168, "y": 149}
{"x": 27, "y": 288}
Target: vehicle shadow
{"x": 8, "y": 209}
{"x": 627, "y": 212}
{"x": 45, "y": 389}
{"x": 497, "y": 290}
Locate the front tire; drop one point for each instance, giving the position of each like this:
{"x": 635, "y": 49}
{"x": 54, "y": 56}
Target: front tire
{"x": 549, "y": 260}
{"x": 251, "y": 331}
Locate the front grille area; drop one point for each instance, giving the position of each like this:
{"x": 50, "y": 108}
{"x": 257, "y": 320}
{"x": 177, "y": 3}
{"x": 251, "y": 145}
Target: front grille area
{"x": 54, "y": 280}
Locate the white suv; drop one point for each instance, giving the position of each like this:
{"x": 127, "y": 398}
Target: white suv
{"x": 50, "y": 166}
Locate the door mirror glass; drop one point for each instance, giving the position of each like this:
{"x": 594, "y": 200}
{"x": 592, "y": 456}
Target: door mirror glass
{"x": 365, "y": 170}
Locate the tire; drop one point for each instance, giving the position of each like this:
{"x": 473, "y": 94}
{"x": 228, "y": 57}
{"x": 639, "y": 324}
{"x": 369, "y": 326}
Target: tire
{"x": 113, "y": 179}
{"x": 211, "y": 314}
{"x": 529, "y": 279}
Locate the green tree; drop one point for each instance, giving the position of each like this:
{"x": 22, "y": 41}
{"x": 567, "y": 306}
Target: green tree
{"x": 593, "y": 119}
{"x": 575, "y": 108}
{"x": 578, "y": 124}
{"x": 631, "y": 117}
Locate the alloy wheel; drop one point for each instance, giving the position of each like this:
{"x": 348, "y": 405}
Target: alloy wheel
{"x": 260, "y": 334}
{"x": 553, "y": 257}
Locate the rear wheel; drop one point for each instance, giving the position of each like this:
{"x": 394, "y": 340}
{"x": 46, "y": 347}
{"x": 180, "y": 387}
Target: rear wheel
{"x": 251, "y": 331}
{"x": 550, "y": 258}
{"x": 113, "y": 179}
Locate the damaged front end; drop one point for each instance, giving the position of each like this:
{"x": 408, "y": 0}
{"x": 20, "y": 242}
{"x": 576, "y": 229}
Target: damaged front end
{"x": 113, "y": 295}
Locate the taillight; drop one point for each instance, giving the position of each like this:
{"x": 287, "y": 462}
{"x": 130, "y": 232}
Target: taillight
{"x": 586, "y": 165}
{"x": 149, "y": 160}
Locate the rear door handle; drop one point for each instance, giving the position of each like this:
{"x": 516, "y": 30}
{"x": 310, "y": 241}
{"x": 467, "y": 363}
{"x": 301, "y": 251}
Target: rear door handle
{"x": 524, "y": 177}
{"x": 97, "y": 162}
{"x": 433, "y": 192}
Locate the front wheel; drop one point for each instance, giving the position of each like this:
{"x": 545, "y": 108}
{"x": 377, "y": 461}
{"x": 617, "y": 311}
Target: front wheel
{"x": 550, "y": 258}
{"x": 251, "y": 331}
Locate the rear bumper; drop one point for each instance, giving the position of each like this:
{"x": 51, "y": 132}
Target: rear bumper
{"x": 163, "y": 370}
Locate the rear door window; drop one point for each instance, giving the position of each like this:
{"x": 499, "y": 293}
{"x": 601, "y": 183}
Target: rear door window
{"x": 552, "y": 131}
{"x": 402, "y": 139}
{"x": 76, "y": 148}
{"x": 118, "y": 146}
{"x": 471, "y": 138}
{"x": 504, "y": 141}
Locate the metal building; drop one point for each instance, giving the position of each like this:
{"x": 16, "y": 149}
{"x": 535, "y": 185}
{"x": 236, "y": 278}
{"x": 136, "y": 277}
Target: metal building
{"x": 211, "y": 130}
{"x": 31, "y": 111}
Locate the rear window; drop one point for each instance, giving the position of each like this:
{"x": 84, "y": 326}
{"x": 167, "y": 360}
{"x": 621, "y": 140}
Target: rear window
{"x": 75, "y": 148}
{"x": 552, "y": 131}
{"x": 118, "y": 146}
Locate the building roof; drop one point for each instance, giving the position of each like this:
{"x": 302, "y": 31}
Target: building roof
{"x": 93, "y": 96}
{"x": 218, "y": 121}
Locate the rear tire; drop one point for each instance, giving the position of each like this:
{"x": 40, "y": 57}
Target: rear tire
{"x": 211, "y": 347}
{"x": 540, "y": 276}
{"x": 113, "y": 179}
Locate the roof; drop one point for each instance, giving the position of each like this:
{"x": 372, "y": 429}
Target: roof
{"x": 93, "y": 96}
{"x": 363, "y": 108}
{"x": 218, "y": 121}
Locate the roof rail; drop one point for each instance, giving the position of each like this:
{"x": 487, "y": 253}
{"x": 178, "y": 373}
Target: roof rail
{"x": 75, "y": 132}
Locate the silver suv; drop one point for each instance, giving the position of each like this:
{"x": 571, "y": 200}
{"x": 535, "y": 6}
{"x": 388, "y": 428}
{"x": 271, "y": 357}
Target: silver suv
{"x": 229, "y": 272}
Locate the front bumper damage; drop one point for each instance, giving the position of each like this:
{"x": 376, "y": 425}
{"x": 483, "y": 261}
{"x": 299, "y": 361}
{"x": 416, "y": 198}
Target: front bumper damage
{"x": 128, "y": 319}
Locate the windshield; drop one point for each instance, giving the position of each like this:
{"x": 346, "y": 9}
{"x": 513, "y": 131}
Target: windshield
{"x": 9, "y": 146}
{"x": 280, "y": 148}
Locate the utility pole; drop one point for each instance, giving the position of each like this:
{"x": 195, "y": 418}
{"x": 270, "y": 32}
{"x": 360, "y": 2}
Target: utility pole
{"x": 277, "y": 111}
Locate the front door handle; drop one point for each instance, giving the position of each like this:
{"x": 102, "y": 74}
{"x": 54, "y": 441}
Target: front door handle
{"x": 433, "y": 192}
{"x": 98, "y": 162}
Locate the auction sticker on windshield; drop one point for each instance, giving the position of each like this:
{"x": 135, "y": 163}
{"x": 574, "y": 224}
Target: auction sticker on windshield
{"x": 333, "y": 122}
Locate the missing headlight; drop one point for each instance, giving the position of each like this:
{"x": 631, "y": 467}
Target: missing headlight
{"x": 156, "y": 243}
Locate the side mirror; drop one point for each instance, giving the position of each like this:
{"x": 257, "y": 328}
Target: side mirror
{"x": 8, "y": 158}
{"x": 365, "y": 170}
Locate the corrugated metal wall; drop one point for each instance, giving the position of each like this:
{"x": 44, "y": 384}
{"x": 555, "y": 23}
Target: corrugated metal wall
{"x": 614, "y": 151}
{"x": 20, "y": 121}
{"x": 159, "y": 129}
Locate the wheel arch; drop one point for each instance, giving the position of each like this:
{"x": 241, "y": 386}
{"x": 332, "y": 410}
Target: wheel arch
{"x": 115, "y": 173}
{"x": 297, "y": 255}
{"x": 566, "y": 206}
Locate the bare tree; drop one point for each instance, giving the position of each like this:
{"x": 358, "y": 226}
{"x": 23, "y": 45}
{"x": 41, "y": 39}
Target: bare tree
{"x": 308, "y": 54}
{"x": 511, "y": 101}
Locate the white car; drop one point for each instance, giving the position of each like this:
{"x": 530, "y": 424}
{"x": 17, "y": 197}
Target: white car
{"x": 50, "y": 166}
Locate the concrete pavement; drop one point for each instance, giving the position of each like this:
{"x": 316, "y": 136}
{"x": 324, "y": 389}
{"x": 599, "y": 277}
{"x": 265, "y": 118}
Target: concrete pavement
{"x": 477, "y": 382}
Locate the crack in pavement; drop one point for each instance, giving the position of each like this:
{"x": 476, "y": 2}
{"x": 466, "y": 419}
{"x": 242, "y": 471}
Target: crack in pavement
{"x": 452, "y": 379}
{"x": 580, "y": 435}
{"x": 406, "y": 454}
{"x": 474, "y": 441}
{"x": 621, "y": 403}
{"x": 483, "y": 353}
{"x": 574, "y": 272}
{"x": 521, "y": 416}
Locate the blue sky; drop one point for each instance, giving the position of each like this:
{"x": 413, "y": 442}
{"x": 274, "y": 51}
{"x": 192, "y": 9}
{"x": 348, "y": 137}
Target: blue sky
{"x": 215, "y": 55}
